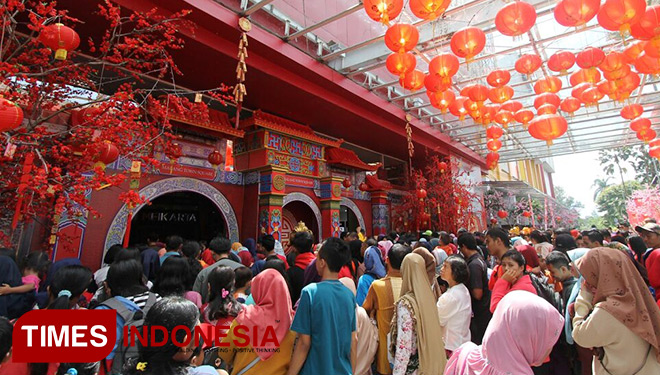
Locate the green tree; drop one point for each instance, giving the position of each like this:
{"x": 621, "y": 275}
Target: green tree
{"x": 592, "y": 220}
{"x": 612, "y": 201}
{"x": 566, "y": 200}
{"x": 600, "y": 184}
{"x": 617, "y": 161}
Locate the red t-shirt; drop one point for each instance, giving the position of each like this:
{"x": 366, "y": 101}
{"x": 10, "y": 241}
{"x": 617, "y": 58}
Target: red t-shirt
{"x": 653, "y": 268}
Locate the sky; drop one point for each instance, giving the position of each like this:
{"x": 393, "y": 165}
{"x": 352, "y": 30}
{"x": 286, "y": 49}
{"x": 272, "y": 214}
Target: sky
{"x": 576, "y": 174}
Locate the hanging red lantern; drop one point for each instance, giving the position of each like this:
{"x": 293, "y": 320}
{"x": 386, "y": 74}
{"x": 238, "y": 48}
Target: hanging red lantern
{"x": 400, "y": 63}
{"x": 502, "y": 214}
{"x": 606, "y": 87}
{"x": 504, "y": 117}
{"x": 648, "y": 26}
{"x": 616, "y": 75}
{"x": 473, "y": 109}
{"x": 442, "y": 167}
{"x": 11, "y": 115}
{"x": 646, "y": 64}
{"x": 546, "y": 109}
{"x": 570, "y": 105}
{"x": 561, "y": 61}
{"x": 547, "y": 98}
{"x": 590, "y": 57}
{"x": 654, "y": 148}
{"x": 383, "y": 10}
{"x": 492, "y": 159}
{"x": 629, "y": 83}
{"x": 524, "y": 116}
{"x": 498, "y": 78}
{"x": 363, "y": 187}
{"x": 646, "y": 135}
{"x": 527, "y": 214}
{"x": 548, "y": 84}
{"x": 421, "y": 194}
{"x": 401, "y": 37}
{"x": 444, "y": 65}
{"x": 173, "y": 152}
{"x": 584, "y": 75}
{"x": 441, "y": 100}
{"x": 575, "y": 13}
{"x": 652, "y": 47}
{"x": 548, "y": 127}
{"x": 215, "y": 158}
{"x": 512, "y": 106}
{"x": 619, "y": 15}
{"x": 528, "y": 64}
{"x": 478, "y": 94}
{"x": 489, "y": 112}
{"x": 468, "y": 42}
{"x": 632, "y": 111}
{"x": 632, "y": 52}
{"x": 429, "y": 9}
{"x": 107, "y": 154}
{"x": 591, "y": 96}
{"x": 435, "y": 83}
{"x": 640, "y": 124}
{"x": 500, "y": 94}
{"x": 413, "y": 81}
{"x": 494, "y": 145}
{"x": 61, "y": 39}
{"x": 515, "y": 18}
{"x": 613, "y": 61}
{"x": 494, "y": 132}
{"x": 457, "y": 108}
{"x": 579, "y": 89}
{"x": 347, "y": 183}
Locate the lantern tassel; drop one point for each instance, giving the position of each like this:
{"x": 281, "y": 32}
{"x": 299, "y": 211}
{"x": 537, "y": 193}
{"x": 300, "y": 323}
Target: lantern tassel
{"x": 60, "y": 54}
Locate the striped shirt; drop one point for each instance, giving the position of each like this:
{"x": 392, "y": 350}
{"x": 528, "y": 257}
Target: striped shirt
{"x": 141, "y": 299}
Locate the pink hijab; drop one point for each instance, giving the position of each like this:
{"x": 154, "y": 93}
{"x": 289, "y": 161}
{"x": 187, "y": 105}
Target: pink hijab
{"x": 385, "y": 247}
{"x": 272, "y": 307}
{"x": 521, "y": 334}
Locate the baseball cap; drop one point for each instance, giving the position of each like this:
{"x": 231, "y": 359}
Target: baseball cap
{"x": 649, "y": 227}
{"x": 428, "y": 233}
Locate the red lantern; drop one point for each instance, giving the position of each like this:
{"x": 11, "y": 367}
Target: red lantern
{"x": 515, "y": 18}
{"x": 619, "y": 15}
{"x": 590, "y": 57}
{"x": 511, "y": 106}
{"x": 435, "y": 83}
{"x": 546, "y": 109}
{"x": 383, "y": 10}
{"x": 561, "y": 61}
{"x": 215, "y": 158}
{"x": 494, "y": 132}
{"x": 524, "y": 116}
{"x": 347, "y": 183}
{"x": 654, "y": 152}
{"x": 585, "y": 75}
{"x": 500, "y": 94}
{"x": 442, "y": 167}
{"x": 640, "y": 124}
{"x": 61, "y": 39}
{"x": 570, "y": 105}
{"x": 646, "y": 135}
{"x": 444, "y": 65}
{"x": 492, "y": 159}
{"x": 442, "y": 100}
{"x": 401, "y": 37}
{"x": 528, "y": 64}
{"x": 421, "y": 194}
{"x": 11, "y": 115}
{"x": 401, "y": 63}
{"x": 652, "y": 47}
{"x": 429, "y": 9}
{"x": 547, "y": 98}
{"x": 548, "y": 84}
{"x": 413, "y": 81}
{"x": 613, "y": 61}
{"x": 478, "y": 94}
{"x": 616, "y": 75}
{"x": 632, "y": 52}
{"x": 502, "y": 214}
{"x": 468, "y": 42}
{"x": 632, "y": 111}
{"x": 457, "y": 108}
{"x": 648, "y": 26}
{"x": 579, "y": 89}
{"x": 363, "y": 186}
{"x": 548, "y": 127}
{"x": 527, "y": 214}
{"x": 173, "y": 152}
{"x": 646, "y": 64}
{"x": 494, "y": 145}
{"x": 489, "y": 112}
{"x": 591, "y": 96}
{"x": 606, "y": 87}
{"x": 498, "y": 78}
{"x": 504, "y": 117}
{"x": 574, "y": 13}
{"x": 107, "y": 154}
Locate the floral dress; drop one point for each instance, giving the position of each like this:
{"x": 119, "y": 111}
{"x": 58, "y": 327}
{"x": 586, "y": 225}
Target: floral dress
{"x": 406, "y": 359}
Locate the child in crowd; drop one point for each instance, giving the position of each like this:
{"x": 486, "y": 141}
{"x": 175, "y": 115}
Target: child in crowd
{"x": 243, "y": 277}
{"x": 222, "y": 307}
{"x": 34, "y": 268}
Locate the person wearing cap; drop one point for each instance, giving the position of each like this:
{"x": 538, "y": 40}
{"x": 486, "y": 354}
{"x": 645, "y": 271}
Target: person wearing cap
{"x": 650, "y": 233}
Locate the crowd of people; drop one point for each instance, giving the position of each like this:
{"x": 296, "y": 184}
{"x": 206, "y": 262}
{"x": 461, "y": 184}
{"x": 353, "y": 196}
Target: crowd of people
{"x": 498, "y": 302}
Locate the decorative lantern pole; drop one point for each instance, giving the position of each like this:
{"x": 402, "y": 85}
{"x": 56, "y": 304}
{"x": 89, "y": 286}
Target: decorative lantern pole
{"x": 239, "y": 91}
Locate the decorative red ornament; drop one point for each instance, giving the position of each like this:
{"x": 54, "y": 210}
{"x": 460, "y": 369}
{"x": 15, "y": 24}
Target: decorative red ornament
{"x": 574, "y": 13}
{"x": 502, "y": 214}
{"x": 584, "y": 75}
{"x": 347, "y": 183}
{"x": 435, "y": 83}
{"x": 401, "y": 37}
{"x": 548, "y": 127}
{"x": 494, "y": 145}
{"x": 383, "y": 10}
{"x": 11, "y": 115}
{"x": 421, "y": 194}
{"x": 632, "y": 111}
{"x": 515, "y": 18}
{"x": 646, "y": 135}
{"x": 512, "y": 106}
{"x": 524, "y": 116}
{"x": 478, "y": 93}
{"x": 548, "y": 84}
{"x": 570, "y": 105}
{"x": 401, "y": 63}
{"x": 173, "y": 152}
{"x": 489, "y": 112}
{"x": 500, "y": 94}
{"x": 613, "y": 61}
{"x": 457, "y": 108}
{"x": 528, "y": 64}
{"x": 215, "y": 158}
{"x": 504, "y": 117}
{"x": 654, "y": 148}
{"x": 546, "y": 109}
{"x": 442, "y": 167}
{"x": 652, "y": 47}
{"x": 590, "y": 57}
{"x": 363, "y": 186}
{"x": 61, "y": 39}
{"x": 591, "y": 96}
{"x": 444, "y": 65}
{"x": 561, "y": 61}
{"x": 107, "y": 154}
{"x": 619, "y": 15}
{"x": 616, "y": 75}
{"x": 413, "y": 81}
{"x": 441, "y": 100}
{"x": 646, "y": 64}
{"x": 648, "y": 26}
{"x": 493, "y": 221}
{"x": 579, "y": 89}
{"x": 632, "y": 52}
{"x": 547, "y": 98}
{"x": 640, "y": 124}
{"x": 492, "y": 159}
{"x": 429, "y": 9}
{"x": 468, "y": 42}
{"x": 494, "y": 132}
{"x": 527, "y": 214}
{"x": 498, "y": 78}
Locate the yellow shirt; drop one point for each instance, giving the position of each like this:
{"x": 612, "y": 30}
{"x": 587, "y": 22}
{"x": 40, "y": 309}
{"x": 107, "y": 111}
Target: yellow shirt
{"x": 361, "y": 237}
{"x": 239, "y": 358}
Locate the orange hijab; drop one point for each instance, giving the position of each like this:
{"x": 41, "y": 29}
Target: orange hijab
{"x": 621, "y": 291}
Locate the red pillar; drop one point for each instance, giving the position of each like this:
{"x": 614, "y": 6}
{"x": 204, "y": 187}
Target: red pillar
{"x": 271, "y": 194}
{"x": 330, "y": 202}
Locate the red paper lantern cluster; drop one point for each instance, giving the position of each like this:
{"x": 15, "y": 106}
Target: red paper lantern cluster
{"x": 61, "y": 39}
{"x": 11, "y": 115}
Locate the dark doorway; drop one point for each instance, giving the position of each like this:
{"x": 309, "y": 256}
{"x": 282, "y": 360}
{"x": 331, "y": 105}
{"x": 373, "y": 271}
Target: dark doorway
{"x": 293, "y": 213}
{"x": 186, "y": 214}
{"x": 348, "y": 220}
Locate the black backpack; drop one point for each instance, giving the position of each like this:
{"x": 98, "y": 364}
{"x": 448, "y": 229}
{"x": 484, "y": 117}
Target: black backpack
{"x": 547, "y": 293}
{"x": 123, "y": 354}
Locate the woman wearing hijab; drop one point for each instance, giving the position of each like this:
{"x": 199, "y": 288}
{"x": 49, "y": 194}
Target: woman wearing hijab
{"x": 251, "y": 244}
{"x": 246, "y": 257}
{"x": 514, "y": 340}
{"x": 416, "y": 335}
{"x": 429, "y": 264}
{"x": 385, "y": 247}
{"x": 272, "y": 308}
{"x": 616, "y": 314}
{"x": 367, "y": 335}
{"x": 374, "y": 269}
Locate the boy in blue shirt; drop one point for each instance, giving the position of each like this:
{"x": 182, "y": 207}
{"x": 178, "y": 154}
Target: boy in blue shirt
{"x": 325, "y": 319}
